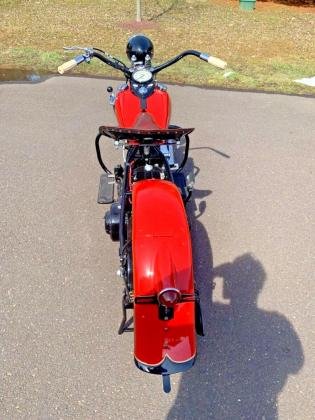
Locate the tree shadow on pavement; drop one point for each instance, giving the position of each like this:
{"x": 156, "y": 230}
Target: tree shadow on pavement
{"x": 247, "y": 353}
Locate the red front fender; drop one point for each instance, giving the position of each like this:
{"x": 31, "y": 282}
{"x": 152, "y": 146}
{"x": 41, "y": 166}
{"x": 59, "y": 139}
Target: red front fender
{"x": 162, "y": 258}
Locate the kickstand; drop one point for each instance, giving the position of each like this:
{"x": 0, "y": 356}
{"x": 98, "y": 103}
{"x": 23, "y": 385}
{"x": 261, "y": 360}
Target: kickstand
{"x": 125, "y": 324}
{"x": 198, "y": 316}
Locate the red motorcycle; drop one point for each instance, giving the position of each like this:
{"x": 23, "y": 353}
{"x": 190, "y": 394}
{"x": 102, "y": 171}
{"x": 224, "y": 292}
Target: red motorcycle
{"x": 148, "y": 218}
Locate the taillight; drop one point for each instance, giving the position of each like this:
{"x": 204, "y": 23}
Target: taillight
{"x": 169, "y": 297}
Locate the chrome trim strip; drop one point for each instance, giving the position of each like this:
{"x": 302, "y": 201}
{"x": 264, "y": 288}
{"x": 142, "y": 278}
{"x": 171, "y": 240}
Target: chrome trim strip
{"x": 167, "y": 367}
{"x": 167, "y": 357}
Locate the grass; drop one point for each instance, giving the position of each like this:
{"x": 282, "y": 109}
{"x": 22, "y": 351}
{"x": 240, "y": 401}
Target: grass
{"x": 266, "y": 49}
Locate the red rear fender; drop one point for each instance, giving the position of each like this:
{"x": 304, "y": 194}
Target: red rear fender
{"x": 162, "y": 259}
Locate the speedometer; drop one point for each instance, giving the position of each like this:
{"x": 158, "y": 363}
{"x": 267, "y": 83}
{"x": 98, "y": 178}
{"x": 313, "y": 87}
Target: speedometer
{"x": 142, "y": 76}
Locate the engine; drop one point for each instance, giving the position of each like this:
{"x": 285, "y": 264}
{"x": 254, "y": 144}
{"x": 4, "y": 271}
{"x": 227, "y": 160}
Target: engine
{"x": 112, "y": 218}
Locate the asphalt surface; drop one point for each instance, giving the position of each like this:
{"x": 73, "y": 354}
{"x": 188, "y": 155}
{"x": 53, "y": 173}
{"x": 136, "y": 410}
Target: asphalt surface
{"x": 253, "y": 230}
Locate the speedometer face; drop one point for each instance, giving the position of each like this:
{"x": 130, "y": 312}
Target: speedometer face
{"x": 142, "y": 76}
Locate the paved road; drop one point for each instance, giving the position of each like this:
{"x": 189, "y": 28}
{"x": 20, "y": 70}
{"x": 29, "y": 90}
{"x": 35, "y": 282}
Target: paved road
{"x": 253, "y": 233}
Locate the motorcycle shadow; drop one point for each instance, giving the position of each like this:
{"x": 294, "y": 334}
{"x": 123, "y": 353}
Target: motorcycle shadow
{"x": 247, "y": 353}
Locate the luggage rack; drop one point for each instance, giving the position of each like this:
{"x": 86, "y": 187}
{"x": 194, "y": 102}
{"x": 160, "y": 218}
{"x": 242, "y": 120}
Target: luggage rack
{"x": 118, "y": 133}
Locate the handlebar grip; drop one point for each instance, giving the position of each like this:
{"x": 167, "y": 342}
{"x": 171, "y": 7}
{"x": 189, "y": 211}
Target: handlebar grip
{"x": 71, "y": 64}
{"x": 217, "y": 62}
{"x": 67, "y": 66}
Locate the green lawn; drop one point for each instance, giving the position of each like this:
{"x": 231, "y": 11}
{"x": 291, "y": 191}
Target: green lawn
{"x": 266, "y": 49}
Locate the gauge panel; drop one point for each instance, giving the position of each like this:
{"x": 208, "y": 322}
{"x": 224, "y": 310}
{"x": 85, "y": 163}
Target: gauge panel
{"x": 142, "y": 76}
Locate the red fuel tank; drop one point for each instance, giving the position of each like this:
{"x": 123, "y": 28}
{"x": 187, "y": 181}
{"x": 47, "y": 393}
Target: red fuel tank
{"x": 127, "y": 108}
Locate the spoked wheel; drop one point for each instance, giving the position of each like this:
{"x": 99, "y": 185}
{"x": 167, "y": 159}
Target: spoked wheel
{"x": 127, "y": 299}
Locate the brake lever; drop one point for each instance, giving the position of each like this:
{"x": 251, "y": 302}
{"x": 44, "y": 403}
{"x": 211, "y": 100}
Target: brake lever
{"x": 88, "y": 52}
{"x": 76, "y": 48}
